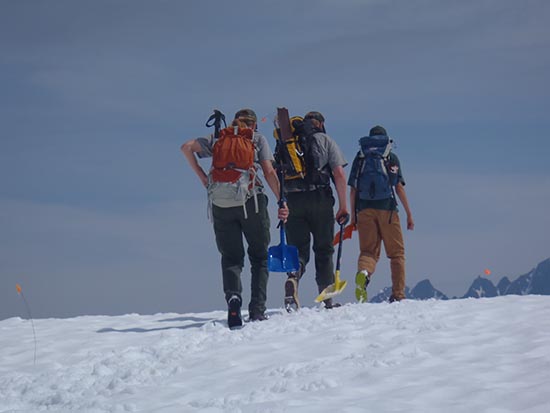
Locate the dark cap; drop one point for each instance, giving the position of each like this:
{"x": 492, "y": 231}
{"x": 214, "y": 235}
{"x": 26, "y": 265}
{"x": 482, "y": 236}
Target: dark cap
{"x": 246, "y": 114}
{"x": 378, "y": 130}
{"x": 315, "y": 115}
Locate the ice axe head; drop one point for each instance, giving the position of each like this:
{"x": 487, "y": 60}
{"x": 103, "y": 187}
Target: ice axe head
{"x": 338, "y": 286}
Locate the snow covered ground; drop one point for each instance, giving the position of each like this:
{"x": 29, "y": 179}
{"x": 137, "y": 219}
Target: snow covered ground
{"x": 473, "y": 355}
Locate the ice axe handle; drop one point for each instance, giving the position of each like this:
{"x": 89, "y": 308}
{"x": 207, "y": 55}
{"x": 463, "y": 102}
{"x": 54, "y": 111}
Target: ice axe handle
{"x": 338, "y": 258}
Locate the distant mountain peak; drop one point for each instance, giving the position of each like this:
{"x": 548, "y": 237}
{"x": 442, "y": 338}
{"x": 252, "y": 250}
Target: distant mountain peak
{"x": 536, "y": 281}
{"x": 481, "y": 287}
{"x": 424, "y": 290}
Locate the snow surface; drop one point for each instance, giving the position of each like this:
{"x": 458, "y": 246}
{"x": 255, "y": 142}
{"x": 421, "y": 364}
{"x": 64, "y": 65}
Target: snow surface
{"x": 473, "y": 355}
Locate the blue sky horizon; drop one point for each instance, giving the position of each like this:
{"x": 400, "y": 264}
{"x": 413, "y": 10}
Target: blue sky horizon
{"x": 100, "y": 214}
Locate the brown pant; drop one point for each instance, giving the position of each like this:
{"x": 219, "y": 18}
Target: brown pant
{"x": 374, "y": 227}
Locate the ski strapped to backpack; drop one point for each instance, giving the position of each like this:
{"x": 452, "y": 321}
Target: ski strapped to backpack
{"x": 297, "y": 156}
{"x": 232, "y": 177}
{"x": 374, "y": 179}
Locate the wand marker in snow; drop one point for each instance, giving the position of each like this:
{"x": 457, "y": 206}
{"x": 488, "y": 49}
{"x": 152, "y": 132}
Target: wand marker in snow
{"x": 20, "y": 292}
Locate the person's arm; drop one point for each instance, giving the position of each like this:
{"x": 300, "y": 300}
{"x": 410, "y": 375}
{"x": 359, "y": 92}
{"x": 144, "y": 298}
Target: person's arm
{"x": 189, "y": 149}
{"x": 271, "y": 177}
{"x": 340, "y": 184}
{"x": 400, "y": 190}
{"x": 273, "y": 181}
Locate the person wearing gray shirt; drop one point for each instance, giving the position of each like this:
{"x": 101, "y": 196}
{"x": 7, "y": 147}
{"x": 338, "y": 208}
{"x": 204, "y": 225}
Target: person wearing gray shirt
{"x": 249, "y": 219}
{"x": 310, "y": 202}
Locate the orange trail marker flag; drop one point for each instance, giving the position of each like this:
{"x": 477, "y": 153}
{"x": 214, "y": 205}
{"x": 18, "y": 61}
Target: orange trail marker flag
{"x": 20, "y": 292}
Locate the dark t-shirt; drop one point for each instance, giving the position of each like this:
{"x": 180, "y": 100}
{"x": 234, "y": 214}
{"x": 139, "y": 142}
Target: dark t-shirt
{"x": 389, "y": 204}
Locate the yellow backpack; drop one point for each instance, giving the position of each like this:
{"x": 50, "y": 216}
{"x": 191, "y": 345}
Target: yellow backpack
{"x": 291, "y": 153}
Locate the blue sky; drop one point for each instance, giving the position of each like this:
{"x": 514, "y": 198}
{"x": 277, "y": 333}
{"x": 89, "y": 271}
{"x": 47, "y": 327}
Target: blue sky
{"x": 99, "y": 213}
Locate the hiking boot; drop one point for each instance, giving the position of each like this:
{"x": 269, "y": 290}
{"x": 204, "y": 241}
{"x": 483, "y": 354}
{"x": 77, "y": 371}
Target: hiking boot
{"x": 234, "y": 318}
{"x": 257, "y": 316}
{"x": 291, "y": 294}
{"x": 393, "y": 298}
{"x": 330, "y": 305}
{"x": 362, "y": 279}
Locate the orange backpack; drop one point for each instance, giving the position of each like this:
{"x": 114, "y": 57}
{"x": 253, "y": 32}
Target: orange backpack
{"x": 232, "y": 154}
{"x": 232, "y": 178}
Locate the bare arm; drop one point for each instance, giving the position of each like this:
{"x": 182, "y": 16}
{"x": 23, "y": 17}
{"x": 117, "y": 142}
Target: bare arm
{"x": 273, "y": 181}
{"x": 400, "y": 190}
{"x": 341, "y": 187}
{"x": 271, "y": 177}
{"x": 189, "y": 149}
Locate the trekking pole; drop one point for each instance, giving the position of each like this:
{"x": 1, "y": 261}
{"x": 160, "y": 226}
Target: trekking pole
{"x": 20, "y": 292}
{"x": 215, "y": 120}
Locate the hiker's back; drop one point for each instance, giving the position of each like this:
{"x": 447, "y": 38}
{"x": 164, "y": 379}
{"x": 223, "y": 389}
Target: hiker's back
{"x": 232, "y": 154}
{"x": 374, "y": 178}
{"x": 232, "y": 177}
{"x": 304, "y": 157}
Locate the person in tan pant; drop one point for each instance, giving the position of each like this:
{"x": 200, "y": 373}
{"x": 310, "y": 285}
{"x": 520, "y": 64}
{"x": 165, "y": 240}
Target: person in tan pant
{"x": 376, "y": 216}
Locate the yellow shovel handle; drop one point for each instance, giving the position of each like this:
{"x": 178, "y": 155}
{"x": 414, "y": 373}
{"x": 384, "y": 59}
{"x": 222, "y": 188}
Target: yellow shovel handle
{"x": 337, "y": 277}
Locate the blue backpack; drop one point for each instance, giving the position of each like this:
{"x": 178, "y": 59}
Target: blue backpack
{"x": 374, "y": 180}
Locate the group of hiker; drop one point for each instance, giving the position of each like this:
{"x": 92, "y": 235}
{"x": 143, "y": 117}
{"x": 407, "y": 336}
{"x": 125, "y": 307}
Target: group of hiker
{"x": 238, "y": 204}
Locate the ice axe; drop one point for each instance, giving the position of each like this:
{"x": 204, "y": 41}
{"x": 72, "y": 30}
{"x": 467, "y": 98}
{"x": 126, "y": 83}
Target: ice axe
{"x": 339, "y": 285}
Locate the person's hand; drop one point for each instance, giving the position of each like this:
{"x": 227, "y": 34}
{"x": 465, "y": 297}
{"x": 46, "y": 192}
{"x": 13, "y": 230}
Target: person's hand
{"x": 410, "y": 222}
{"x": 342, "y": 216}
{"x": 283, "y": 212}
